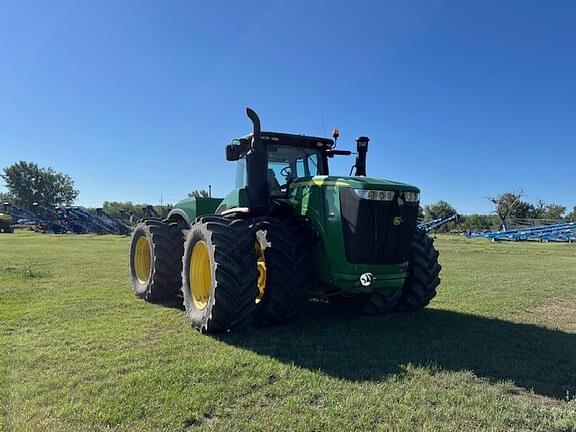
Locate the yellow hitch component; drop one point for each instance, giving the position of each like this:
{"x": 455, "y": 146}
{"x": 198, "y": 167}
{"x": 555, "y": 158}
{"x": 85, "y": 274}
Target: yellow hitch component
{"x": 261, "y": 272}
{"x": 200, "y": 275}
{"x": 142, "y": 260}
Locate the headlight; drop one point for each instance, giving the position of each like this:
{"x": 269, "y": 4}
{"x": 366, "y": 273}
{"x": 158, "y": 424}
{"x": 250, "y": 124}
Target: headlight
{"x": 378, "y": 195}
{"x": 411, "y": 196}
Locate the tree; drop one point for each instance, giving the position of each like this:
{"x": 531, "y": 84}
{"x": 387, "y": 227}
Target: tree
{"x": 504, "y": 203}
{"x": 123, "y": 210}
{"x": 29, "y": 183}
{"x": 199, "y": 193}
{"x": 522, "y": 210}
{"x": 572, "y": 216}
{"x": 539, "y": 209}
{"x": 6, "y": 197}
{"x": 479, "y": 222}
{"x": 554, "y": 211}
{"x": 440, "y": 209}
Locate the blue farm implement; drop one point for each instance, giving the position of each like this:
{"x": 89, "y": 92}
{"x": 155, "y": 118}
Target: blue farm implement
{"x": 560, "y": 232}
{"x": 437, "y": 223}
{"x": 38, "y": 220}
{"x": 59, "y": 220}
{"x": 91, "y": 223}
{"x": 117, "y": 226}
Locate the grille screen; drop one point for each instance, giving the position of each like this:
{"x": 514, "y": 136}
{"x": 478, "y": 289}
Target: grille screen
{"x": 370, "y": 235}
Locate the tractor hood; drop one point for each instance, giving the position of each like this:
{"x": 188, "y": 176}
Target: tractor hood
{"x": 354, "y": 183}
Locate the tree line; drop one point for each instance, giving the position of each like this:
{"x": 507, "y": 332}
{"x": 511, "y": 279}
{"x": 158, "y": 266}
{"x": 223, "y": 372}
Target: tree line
{"x": 28, "y": 183}
{"x": 508, "y": 207}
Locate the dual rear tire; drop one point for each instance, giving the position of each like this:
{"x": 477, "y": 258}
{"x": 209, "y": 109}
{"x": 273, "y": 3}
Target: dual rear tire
{"x": 156, "y": 260}
{"x": 229, "y": 271}
{"x": 236, "y": 271}
{"x": 219, "y": 274}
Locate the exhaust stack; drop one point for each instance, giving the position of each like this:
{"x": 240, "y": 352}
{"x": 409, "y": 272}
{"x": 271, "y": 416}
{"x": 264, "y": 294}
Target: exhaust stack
{"x": 257, "y": 169}
{"x": 362, "y": 148}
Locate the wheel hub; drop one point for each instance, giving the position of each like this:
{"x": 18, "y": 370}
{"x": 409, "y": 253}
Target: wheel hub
{"x": 200, "y": 275}
{"x": 142, "y": 260}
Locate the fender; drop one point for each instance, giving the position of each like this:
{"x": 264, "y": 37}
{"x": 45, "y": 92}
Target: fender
{"x": 176, "y": 214}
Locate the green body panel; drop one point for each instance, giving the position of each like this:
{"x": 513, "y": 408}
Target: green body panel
{"x": 318, "y": 199}
{"x": 236, "y": 198}
{"x": 355, "y": 182}
{"x": 198, "y": 206}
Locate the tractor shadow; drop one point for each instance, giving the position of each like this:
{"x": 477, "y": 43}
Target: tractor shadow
{"x": 372, "y": 348}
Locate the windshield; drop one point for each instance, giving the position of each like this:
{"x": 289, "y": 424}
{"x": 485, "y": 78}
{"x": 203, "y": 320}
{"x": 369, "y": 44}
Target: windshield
{"x": 285, "y": 163}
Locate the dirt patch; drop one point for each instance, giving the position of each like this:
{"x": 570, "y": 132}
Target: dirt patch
{"x": 558, "y": 314}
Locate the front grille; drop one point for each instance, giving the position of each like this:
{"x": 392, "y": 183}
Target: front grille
{"x": 370, "y": 235}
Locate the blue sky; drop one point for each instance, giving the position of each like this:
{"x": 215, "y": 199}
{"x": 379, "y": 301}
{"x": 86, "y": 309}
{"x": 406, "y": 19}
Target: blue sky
{"x": 136, "y": 99}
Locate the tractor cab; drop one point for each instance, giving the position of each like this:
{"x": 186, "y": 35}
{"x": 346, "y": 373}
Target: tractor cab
{"x": 289, "y": 157}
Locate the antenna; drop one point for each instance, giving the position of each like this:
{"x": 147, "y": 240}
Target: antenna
{"x": 323, "y": 122}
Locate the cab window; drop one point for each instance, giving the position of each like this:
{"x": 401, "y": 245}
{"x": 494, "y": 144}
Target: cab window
{"x": 286, "y": 163}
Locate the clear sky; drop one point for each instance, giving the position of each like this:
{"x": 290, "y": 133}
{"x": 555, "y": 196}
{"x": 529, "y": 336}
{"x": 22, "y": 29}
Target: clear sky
{"x": 136, "y": 99}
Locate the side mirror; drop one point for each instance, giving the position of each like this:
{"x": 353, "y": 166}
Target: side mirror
{"x": 233, "y": 152}
{"x": 237, "y": 149}
{"x": 332, "y": 153}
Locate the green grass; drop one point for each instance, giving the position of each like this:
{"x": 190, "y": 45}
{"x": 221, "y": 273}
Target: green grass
{"x": 496, "y": 350}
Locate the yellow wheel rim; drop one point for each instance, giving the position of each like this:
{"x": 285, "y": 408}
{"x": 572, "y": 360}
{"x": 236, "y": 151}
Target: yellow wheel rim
{"x": 261, "y": 272}
{"x": 142, "y": 260}
{"x": 200, "y": 275}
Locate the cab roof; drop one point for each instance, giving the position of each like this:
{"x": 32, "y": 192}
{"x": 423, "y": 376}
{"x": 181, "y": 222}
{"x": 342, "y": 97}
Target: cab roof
{"x": 294, "y": 140}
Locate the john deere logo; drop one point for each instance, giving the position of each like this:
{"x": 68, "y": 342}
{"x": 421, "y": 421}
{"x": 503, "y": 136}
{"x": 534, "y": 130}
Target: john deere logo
{"x": 366, "y": 279}
{"x": 397, "y": 220}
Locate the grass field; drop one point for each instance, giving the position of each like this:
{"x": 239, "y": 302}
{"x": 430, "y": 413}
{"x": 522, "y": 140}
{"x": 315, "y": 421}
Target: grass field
{"x": 496, "y": 350}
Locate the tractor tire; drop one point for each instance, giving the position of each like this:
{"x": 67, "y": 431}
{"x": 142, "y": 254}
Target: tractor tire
{"x": 219, "y": 274}
{"x": 423, "y": 274}
{"x": 286, "y": 252}
{"x": 156, "y": 250}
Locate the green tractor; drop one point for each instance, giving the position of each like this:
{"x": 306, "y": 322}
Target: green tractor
{"x": 6, "y": 223}
{"x": 288, "y": 232}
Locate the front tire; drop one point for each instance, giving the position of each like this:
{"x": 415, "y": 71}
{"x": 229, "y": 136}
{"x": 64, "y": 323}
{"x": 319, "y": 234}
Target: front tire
{"x": 219, "y": 274}
{"x": 423, "y": 274}
{"x": 156, "y": 260}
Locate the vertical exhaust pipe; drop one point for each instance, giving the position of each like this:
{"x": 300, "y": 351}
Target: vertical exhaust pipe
{"x": 362, "y": 149}
{"x": 257, "y": 169}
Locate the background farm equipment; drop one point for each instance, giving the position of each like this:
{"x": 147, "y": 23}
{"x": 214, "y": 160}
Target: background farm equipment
{"x": 27, "y": 218}
{"x": 50, "y": 219}
{"x": 6, "y": 223}
{"x": 150, "y": 212}
{"x": 88, "y": 222}
{"x": 433, "y": 225}
{"x": 117, "y": 226}
{"x": 60, "y": 220}
{"x": 560, "y": 232}
{"x": 19, "y": 215}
